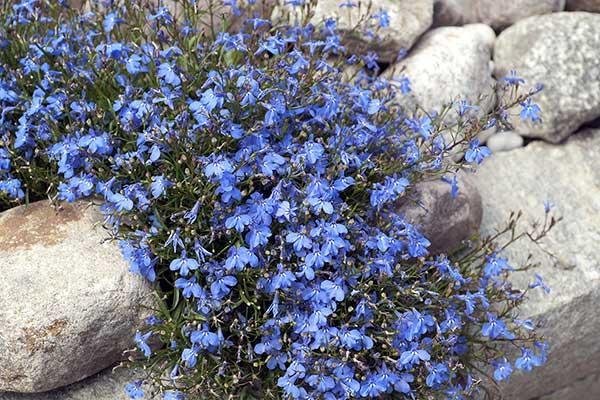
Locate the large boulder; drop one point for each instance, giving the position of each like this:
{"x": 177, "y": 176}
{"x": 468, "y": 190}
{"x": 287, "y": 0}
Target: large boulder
{"x": 69, "y": 305}
{"x": 408, "y": 20}
{"x": 496, "y": 13}
{"x": 448, "y": 64}
{"x": 561, "y": 51}
{"x": 569, "y": 176}
{"x": 583, "y": 5}
{"x": 444, "y": 220}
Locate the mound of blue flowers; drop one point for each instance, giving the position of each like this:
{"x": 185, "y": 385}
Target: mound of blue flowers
{"x": 258, "y": 189}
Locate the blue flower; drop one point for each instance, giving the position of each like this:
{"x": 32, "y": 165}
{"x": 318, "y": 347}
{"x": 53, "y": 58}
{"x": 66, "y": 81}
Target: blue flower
{"x": 476, "y": 153}
{"x": 205, "y": 338}
{"x": 134, "y": 390}
{"x": 502, "y": 369}
{"x": 258, "y": 236}
{"x": 495, "y": 328}
{"x": 121, "y": 202}
{"x": 421, "y": 126}
{"x": 173, "y": 395}
{"x": 438, "y": 374}
{"x": 334, "y": 290}
{"x": 222, "y": 286}
{"x": 299, "y": 241}
{"x": 414, "y": 356}
{"x": 189, "y": 357}
{"x": 189, "y": 287}
{"x": 238, "y": 257}
{"x": 513, "y": 79}
{"x": 169, "y": 74}
{"x": 495, "y": 265}
{"x": 530, "y": 111}
{"x": 539, "y": 282}
{"x": 141, "y": 341}
{"x": 183, "y": 264}
{"x": 238, "y": 221}
{"x": 528, "y": 360}
{"x": 110, "y": 21}
{"x": 453, "y": 182}
{"x": 159, "y": 186}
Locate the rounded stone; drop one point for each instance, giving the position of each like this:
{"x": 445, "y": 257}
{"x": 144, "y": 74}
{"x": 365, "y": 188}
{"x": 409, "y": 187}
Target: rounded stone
{"x": 495, "y": 13}
{"x": 69, "y": 305}
{"x": 559, "y": 51}
{"x": 444, "y": 220}
{"x": 504, "y": 141}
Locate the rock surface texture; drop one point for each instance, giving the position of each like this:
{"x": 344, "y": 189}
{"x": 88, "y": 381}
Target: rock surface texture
{"x": 584, "y": 5}
{"x": 449, "y": 63}
{"x": 569, "y": 176}
{"x": 496, "y": 13}
{"x": 560, "y": 51}
{"x": 69, "y": 305}
{"x": 408, "y": 20}
{"x": 432, "y": 202}
{"x": 107, "y": 385}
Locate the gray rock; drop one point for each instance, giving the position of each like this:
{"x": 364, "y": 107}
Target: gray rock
{"x": 409, "y": 19}
{"x": 504, "y": 141}
{"x": 431, "y": 202}
{"x": 107, "y": 385}
{"x": 69, "y": 305}
{"x": 581, "y": 389}
{"x": 496, "y": 13}
{"x": 583, "y": 5}
{"x": 569, "y": 176}
{"x": 560, "y": 51}
{"x": 448, "y": 64}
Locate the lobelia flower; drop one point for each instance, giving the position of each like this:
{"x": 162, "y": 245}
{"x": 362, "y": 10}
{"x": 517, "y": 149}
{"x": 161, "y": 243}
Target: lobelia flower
{"x": 476, "y": 153}
{"x": 173, "y": 395}
{"x": 530, "y": 111}
{"x": 503, "y": 370}
{"x": 134, "y": 390}
{"x": 184, "y": 264}
{"x": 528, "y": 360}
{"x": 141, "y": 341}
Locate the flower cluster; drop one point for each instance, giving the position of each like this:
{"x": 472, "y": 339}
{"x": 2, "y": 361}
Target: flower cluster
{"x": 258, "y": 189}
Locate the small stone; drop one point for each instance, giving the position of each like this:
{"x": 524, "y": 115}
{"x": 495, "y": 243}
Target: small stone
{"x": 583, "y": 5}
{"x": 431, "y": 202}
{"x": 69, "y": 305}
{"x": 567, "y": 175}
{"x": 496, "y": 13}
{"x": 561, "y": 52}
{"x": 504, "y": 141}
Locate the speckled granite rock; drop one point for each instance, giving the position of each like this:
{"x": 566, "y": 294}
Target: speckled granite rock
{"x": 496, "y": 13}
{"x": 569, "y": 176}
{"x": 448, "y": 64}
{"x": 107, "y": 385}
{"x": 69, "y": 305}
{"x": 561, "y": 51}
